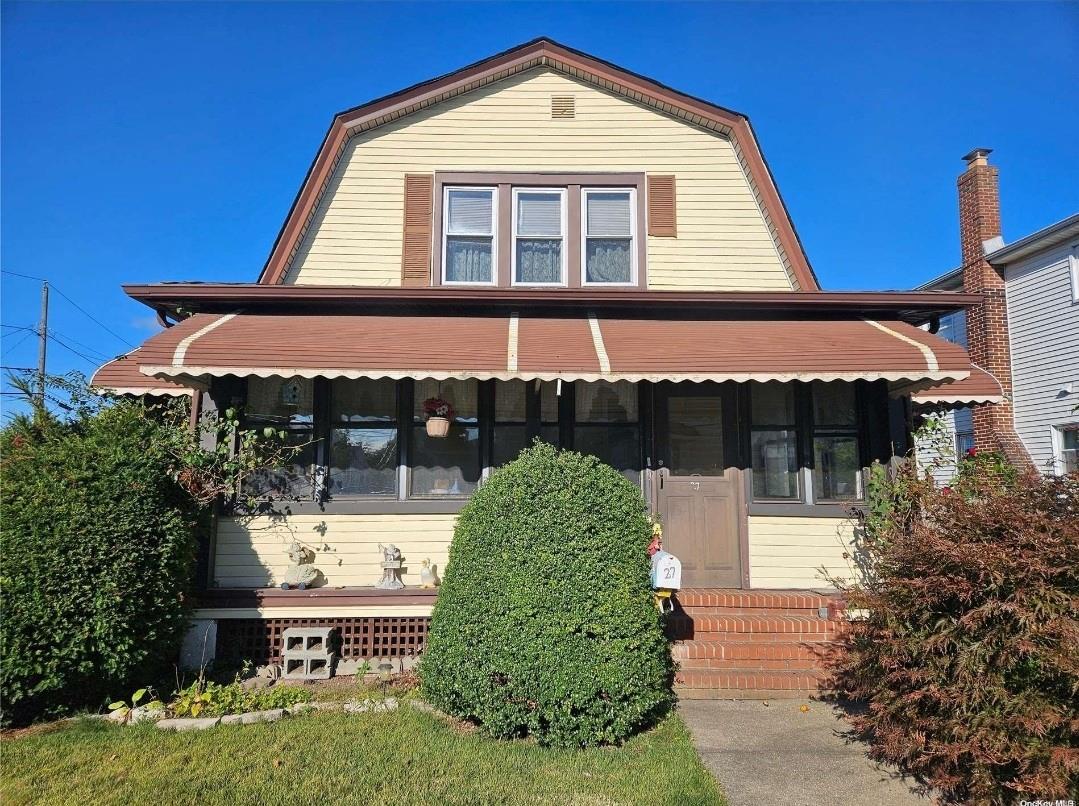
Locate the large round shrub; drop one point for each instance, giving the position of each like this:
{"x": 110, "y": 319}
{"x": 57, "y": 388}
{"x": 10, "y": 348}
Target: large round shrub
{"x": 545, "y": 623}
{"x": 96, "y": 554}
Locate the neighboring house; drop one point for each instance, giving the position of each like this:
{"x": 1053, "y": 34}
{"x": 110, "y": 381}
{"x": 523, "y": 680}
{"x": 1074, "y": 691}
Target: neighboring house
{"x": 561, "y": 249}
{"x": 1027, "y": 331}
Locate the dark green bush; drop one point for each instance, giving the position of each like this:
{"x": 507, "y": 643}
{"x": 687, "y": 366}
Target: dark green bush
{"x": 96, "y": 555}
{"x": 545, "y": 624}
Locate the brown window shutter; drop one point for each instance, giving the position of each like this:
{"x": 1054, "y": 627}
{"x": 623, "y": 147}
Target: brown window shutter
{"x": 662, "y": 212}
{"x": 416, "y": 248}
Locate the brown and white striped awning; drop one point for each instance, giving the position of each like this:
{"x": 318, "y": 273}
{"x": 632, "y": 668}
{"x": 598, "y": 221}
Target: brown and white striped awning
{"x": 977, "y": 388}
{"x": 569, "y": 346}
{"x": 121, "y": 376}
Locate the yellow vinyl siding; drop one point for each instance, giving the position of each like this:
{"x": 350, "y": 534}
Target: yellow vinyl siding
{"x": 789, "y": 552}
{"x": 253, "y": 552}
{"x": 723, "y": 240}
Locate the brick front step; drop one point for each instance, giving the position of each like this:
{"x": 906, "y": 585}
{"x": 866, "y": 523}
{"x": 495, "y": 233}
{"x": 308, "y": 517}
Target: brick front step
{"x": 749, "y": 679}
{"x": 684, "y": 625}
{"x": 752, "y": 600}
{"x": 685, "y": 693}
{"x": 750, "y": 664}
{"x": 684, "y": 651}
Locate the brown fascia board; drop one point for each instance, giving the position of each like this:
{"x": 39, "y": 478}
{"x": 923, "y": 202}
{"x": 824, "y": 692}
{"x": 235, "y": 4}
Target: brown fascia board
{"x": 912, "y": 306}
{"x": 738, "y": 124}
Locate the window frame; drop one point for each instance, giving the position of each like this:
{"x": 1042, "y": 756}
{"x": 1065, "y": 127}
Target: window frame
{"x": 797, "y": 426}
{"x": 563, "y": 201}
{"x": 446, "y": 234}
{"x": 1059, "y": 430}
{"x": 572, "y": 183}
{"x": 633, "y": 236}
{"x": 325, "y": 426}
{"x": 1073, "y": 265}
{"x": 809, "y": 503}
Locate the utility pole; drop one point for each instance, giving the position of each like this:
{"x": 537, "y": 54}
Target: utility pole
{"x": 43, "y": 340}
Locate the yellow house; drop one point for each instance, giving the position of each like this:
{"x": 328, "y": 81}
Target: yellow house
{"x": 557, "y": 248}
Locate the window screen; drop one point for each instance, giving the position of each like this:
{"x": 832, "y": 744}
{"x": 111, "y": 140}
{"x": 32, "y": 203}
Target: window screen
{"x": 608, "y": 236}
{"x": 469, "y": 235}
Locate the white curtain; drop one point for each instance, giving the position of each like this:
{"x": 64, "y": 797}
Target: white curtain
{"x": 608, "y": 257}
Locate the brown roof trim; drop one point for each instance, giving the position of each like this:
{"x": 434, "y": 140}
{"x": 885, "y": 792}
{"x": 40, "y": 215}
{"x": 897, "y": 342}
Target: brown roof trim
{"x": 912, "y": 306}
{"x": 550, "y": 53}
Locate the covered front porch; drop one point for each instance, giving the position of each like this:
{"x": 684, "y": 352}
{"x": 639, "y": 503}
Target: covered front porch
{"x": 747, "y": 431}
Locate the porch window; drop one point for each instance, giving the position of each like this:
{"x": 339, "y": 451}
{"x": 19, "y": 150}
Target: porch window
{"x": 539, "y": 227}
{"x": 511, "y": 421}
{"x": 609, "y": 224}
{"x": 363, "y": 437}
{"x": 447, "y": 466}
{"x": 607, "y": 425}
{"x": 469, "y": 241}
{"x": 285, "y": 404}
{"x": 774, "y": 441}
{"x": 837, "y": 474}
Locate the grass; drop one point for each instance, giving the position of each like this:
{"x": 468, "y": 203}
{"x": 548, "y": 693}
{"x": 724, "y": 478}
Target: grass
{"x": 397, "y": 757}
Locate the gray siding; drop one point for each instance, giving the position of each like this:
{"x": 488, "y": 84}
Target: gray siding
{"x": 939, "y": 457}
{"x": 1043, "y": 326}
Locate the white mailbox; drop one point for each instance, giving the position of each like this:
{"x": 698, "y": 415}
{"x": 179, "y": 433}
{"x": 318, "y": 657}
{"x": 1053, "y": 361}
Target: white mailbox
{"x": 666, "y": 571}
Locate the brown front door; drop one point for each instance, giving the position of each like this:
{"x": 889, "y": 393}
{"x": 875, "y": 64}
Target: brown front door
{"x": 699, "y": 496}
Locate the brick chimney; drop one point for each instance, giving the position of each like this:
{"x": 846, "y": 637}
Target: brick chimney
{"x": 987, "y": 324}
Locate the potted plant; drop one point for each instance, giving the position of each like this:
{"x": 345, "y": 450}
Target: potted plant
{"x": 439, "y": 413}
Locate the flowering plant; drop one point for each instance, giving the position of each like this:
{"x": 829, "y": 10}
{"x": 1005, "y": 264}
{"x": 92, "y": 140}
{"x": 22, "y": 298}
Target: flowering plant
{"x": 437, "y": 407}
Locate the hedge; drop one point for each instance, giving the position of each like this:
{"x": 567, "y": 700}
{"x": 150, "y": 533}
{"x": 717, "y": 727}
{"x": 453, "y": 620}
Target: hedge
{"x": 967, "y": 652}
{"x": 545, "y": 624}
{"x": 96, "y": 557}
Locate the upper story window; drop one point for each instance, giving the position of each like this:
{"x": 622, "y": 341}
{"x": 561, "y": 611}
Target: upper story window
{"x": 469, "y": 246}
{"x": 609, "y": 253}
{"x": 539, "y": 236}
{"x": 539, "y": 229}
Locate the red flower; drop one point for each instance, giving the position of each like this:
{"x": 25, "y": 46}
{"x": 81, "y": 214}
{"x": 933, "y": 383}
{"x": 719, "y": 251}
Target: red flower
{"x": 945, "y": 490}
{"x": 972, "y": 452}
{"x": 437, "y": 407}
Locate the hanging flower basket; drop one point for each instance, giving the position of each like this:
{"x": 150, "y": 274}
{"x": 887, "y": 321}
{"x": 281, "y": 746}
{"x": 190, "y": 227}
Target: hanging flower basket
{"x": 439, "y": 414}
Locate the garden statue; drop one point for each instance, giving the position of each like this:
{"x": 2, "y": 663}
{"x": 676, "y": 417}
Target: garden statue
{"x": 391, "y": 568}
{"x": 301, "y": 573}
{"x": 427, "y": 575}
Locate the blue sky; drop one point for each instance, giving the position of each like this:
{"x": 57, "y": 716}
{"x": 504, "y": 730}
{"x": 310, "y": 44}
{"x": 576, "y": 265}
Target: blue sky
{"x": 157, "y": 141}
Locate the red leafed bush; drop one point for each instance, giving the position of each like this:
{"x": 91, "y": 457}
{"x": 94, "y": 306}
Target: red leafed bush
{"x": 967, "y": 649}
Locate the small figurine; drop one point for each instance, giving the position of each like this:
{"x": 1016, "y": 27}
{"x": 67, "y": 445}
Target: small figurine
{"x": 302, "y": 572}
{"x": 427, "y": 575}
{"x": 391, "y": 568}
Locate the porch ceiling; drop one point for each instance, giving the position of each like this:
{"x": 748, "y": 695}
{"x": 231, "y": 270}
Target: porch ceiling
{"x": 571, "y": 346}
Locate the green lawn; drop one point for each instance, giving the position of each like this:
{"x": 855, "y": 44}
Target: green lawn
{"x": 397, "y": 757}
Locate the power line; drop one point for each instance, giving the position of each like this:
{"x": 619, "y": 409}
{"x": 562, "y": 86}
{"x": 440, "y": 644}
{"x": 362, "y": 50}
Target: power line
{"x": 21, "y": 340}
{"x": 86, "y": 313}
{"x": 71, "y": 349}
{"x": 87, "y": 347}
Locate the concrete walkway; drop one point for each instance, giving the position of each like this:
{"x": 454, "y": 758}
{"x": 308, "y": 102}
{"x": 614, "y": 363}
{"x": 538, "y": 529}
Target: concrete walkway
{"x": 776, "y": 754}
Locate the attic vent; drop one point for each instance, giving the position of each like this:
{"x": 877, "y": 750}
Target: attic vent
{"x": 562, "y": 107}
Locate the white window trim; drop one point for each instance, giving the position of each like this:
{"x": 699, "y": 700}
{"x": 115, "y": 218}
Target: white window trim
{"x": 633, "y": 269}
{"x": 446, "y": 233}
{"x": 1073, "y": 264}
{"x": 1057, "y": 432}
{"x": 561, "y": 193}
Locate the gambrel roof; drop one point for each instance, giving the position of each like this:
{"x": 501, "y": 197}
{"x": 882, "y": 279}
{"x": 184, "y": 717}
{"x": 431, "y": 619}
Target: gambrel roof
{"x": 549, "y": 54}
